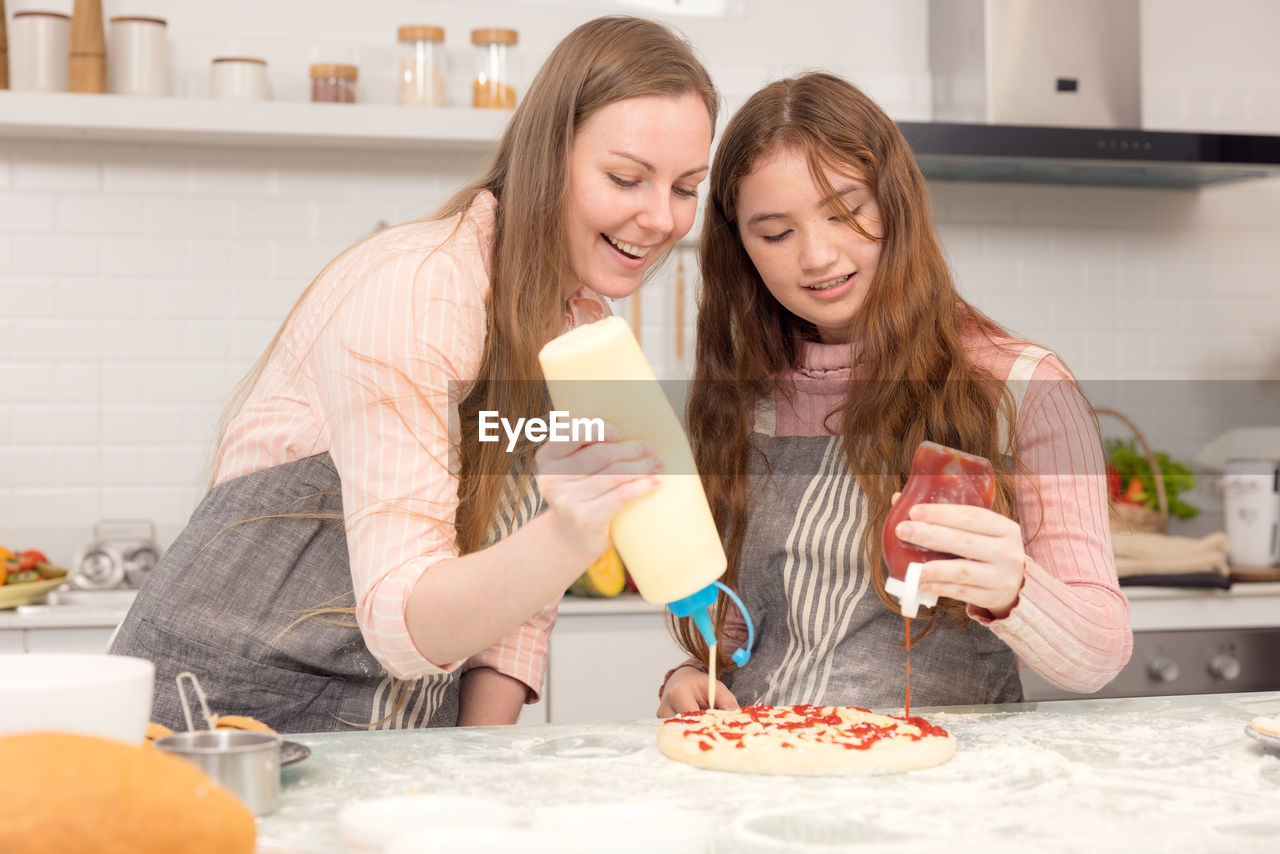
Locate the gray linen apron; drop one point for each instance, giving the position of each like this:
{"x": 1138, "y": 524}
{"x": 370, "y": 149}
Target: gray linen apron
{"x": 822, "y": 634}
{"x": 221, "y": 601}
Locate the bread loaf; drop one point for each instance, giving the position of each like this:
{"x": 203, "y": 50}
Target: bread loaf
{"x": 108, "y": 797}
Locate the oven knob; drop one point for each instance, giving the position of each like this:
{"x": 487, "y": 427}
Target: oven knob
{"x": 1224, "y": 666}
{"x": 1162, "y": 669}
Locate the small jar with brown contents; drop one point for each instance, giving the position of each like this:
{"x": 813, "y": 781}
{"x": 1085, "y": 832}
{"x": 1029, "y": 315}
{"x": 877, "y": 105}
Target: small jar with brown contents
{"x": 333, "y": 84}
{"x": 492, "y": 85}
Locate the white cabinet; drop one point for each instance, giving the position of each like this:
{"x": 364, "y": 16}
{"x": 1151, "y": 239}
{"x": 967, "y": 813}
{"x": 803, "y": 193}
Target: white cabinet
{"x": 85, "y": 639}
{"x": 608, "y": 665}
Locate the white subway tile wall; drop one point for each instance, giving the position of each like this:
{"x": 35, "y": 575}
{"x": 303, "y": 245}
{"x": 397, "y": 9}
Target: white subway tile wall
{"x": 139, "y": 282}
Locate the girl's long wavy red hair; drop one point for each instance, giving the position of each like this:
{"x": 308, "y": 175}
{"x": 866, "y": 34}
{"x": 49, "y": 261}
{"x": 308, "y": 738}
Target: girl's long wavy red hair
{"x": 913, "y": 380}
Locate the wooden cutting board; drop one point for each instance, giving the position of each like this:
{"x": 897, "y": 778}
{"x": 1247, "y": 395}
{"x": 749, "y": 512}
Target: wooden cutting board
{"x": 1255, "y": 573}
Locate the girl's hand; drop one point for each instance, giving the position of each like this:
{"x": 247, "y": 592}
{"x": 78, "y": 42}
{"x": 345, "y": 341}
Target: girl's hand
{"x": 990, "y": 565}
{"x": 586, "y": 483}
{"x": 686, "y": 691}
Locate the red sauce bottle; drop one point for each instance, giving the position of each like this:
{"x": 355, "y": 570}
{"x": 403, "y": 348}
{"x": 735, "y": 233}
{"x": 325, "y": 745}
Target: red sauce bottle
{"x": 939, "y": 475}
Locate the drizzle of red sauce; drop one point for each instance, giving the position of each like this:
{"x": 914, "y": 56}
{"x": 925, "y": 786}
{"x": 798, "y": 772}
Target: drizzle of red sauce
{"x": 907, "y": 711}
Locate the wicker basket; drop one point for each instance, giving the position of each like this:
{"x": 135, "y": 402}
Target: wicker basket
{"x": 1131, "y": 517}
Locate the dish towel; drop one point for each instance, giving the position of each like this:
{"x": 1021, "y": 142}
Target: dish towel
{"x": 1140, "y": 553}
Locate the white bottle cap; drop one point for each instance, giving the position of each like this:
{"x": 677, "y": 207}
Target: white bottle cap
{"x": 907, "y": 591}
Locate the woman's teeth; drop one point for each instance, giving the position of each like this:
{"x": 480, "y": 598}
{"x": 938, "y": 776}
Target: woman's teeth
{"x": 826, "y": 286}
{"x": 629, "y": 248}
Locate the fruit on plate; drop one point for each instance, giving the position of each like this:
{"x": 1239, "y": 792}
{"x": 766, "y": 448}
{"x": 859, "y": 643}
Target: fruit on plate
{"x": 604, "y": 578}
{"x": 24, "y": 567}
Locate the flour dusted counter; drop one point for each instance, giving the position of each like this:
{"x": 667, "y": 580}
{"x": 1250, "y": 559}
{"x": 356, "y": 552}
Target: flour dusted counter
{"x": 1151, "y": 774}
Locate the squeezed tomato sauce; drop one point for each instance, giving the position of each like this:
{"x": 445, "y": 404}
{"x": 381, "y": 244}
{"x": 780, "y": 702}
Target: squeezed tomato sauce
{"x": 907, "y": 710}
{"x": 821, "y": 724}
{"x": 939, "y": 475}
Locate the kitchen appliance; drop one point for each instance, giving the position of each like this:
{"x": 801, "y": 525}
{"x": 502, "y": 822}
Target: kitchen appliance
{"x": 1049, "y": 91}
{"x": 1032, "y": 62}
{"x": 1207, "y": 661}
{"x": 1251, "y": 505}
{"x": 122, "y": 554}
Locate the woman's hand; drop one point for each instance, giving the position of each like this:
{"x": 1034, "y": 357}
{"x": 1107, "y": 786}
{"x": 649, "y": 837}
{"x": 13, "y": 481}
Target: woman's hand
{"x": 586, "y": 483}
{"x": 990, "y": 565}
{"x": 686, "y": 691}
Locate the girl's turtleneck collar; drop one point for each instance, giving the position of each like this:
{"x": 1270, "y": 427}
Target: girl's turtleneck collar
{"x": 826, "y": 360}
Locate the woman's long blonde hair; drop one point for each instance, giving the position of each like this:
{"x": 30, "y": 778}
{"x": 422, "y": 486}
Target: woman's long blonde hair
{"x": 913, "y": 380}
{"x": 603, "y": 61}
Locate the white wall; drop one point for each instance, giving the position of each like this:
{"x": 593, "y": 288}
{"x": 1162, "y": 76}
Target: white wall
{"x": 138, "y": 282}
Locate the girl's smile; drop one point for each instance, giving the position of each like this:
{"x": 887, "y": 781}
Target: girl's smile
{"x": 807, "y": 255}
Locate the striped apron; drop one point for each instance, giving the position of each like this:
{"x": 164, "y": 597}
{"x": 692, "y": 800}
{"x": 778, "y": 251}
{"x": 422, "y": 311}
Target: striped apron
{"x": 822, "y": 634}
{"x": 226, "y": 601}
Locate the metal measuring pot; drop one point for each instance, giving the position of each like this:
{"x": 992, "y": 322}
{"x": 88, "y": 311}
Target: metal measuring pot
{"x": 245, "y": 763}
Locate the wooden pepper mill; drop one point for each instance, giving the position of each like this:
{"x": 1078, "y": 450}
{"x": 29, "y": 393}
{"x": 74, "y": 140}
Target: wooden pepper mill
{"x": 4, "y": 51}
{"x": 88, "y": 69}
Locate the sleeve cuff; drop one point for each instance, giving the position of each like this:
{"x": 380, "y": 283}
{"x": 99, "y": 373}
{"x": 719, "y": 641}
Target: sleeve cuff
{"x": 522, "y": 654}
{"x": 385, "y": 626}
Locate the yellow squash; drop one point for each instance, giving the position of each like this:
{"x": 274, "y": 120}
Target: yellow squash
{"x": 604, "y": 578}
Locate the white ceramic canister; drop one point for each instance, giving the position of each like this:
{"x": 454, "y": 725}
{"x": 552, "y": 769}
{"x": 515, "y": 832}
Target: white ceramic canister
{"x": 238, "y": 78}
{"x": 1251, "y": 505}
{"x": 138, "y": 56}
{"x": 40, "y": 45}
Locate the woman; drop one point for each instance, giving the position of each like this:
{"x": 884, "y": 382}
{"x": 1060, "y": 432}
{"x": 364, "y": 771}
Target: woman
{"x": 352, "y": 482}
{"x": 831, "y": 342}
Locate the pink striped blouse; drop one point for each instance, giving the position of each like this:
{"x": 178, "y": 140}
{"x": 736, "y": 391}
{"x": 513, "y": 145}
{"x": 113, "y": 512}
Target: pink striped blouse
{"x": 1071, "y": 622}
{"x": 363, "y": 370}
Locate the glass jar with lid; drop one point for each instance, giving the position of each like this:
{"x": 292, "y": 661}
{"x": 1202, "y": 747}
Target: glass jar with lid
{"x": 333, "y": 83}
{"x": 492, "y": 85}
{"x": 421, "y": 66}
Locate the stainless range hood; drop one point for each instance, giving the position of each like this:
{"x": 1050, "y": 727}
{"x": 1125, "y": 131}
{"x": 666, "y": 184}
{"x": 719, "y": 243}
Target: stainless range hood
{"x": 1027, "y": 154}
{"x": 1049, "y": 91}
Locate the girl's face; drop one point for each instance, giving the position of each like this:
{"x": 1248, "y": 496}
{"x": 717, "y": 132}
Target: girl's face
{"x": 815, "y": 265}
{"x": 633, "y": 187}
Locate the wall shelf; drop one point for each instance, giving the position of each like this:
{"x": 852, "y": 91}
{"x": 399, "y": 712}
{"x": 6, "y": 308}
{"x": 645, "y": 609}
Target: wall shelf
{"x": 258, "y": 124}
{"x": 946, "y": 152}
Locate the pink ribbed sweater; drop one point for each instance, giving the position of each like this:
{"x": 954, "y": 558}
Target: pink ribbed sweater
{"x": 1071, "y": 622}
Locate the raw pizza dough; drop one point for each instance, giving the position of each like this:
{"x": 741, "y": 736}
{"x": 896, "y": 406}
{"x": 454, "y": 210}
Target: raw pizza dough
{"x": 803, "y": 740}
{"x": 1267, "y": 726}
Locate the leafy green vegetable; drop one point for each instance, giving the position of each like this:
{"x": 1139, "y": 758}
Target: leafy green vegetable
{"x": 1131, "y": 462}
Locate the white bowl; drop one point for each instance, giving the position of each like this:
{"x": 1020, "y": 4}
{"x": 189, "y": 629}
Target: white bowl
{"x": 487, "y": 840}
{"x": 368, "y": 826}
{"x": 637, "y": 827}
{"x": 104, "y": 695}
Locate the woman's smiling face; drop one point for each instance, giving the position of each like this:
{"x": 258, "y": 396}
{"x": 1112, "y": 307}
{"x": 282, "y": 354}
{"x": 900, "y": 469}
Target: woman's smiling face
{"x": 633, "y": 188}
{"x": 813, "y": 263}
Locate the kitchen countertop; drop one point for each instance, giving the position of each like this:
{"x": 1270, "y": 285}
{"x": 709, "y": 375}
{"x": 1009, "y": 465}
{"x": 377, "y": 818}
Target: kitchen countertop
{"x": 1245, "y": 605}
{"x": 1164, "y": 773}
{"x": 41, "y": 616}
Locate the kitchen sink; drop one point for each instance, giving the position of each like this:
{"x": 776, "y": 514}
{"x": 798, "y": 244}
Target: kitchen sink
{"x": 91, "y": 598}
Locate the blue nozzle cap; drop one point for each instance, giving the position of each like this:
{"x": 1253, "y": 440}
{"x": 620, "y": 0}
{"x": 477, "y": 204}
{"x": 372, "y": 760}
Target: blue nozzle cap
{"x": 697, "y": 606}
